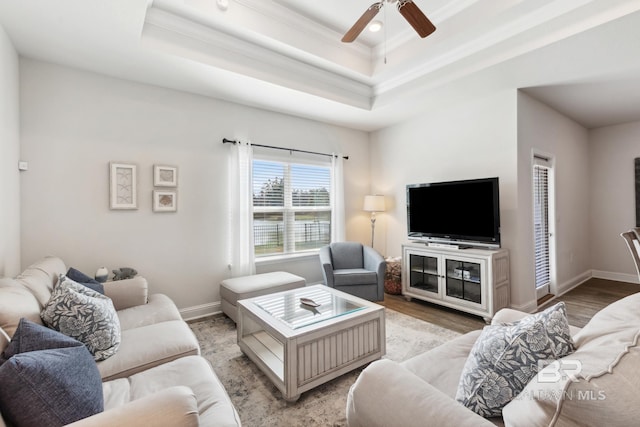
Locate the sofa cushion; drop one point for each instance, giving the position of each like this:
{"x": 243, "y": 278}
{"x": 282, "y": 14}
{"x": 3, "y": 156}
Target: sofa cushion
{"x": 51, "y": 387}
{"x": 214, "y": 405}
{"x": 598, "y": 384}
{"x": 346, "y": 255}
{"x": 31, "y": 336}
{"x": 41, "y": 276}
{"x": 85, "y": 315}
{"x": 354, "y": 276}
{"x": 501, "y": 363}
{"x": 148, "y": 346}
{"x": 441, "y": 366}
{"x": 79, "y": 277}
{"x": 17, "y": 302}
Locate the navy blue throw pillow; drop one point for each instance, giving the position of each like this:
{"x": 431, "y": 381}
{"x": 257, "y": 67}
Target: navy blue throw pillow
{"x": 50, "y": 388}
{"x": 30, "y": 336}
{"x": 79, "y": 277}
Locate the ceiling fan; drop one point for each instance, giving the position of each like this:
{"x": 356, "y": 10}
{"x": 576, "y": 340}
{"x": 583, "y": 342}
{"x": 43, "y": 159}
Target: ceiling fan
{"x": 407, "y": 9}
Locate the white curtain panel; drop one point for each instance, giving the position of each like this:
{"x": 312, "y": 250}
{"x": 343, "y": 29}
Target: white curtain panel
{"x": 241, "y": 256}
{"x": 337, "y": 199}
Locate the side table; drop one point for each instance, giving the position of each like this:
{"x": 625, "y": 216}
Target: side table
{"x": 393, "y": 276}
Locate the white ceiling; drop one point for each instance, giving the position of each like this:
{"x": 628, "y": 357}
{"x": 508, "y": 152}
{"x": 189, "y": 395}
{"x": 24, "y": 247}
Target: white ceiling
{"x": 580, "y": 56}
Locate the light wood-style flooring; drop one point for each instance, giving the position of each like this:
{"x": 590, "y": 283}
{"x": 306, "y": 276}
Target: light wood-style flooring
{"x": 582, "y": 303}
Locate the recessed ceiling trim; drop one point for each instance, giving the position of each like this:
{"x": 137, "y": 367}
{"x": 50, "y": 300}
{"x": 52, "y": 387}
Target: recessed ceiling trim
{"x": 510, "y": 30}
{"x": 178, "y": 35}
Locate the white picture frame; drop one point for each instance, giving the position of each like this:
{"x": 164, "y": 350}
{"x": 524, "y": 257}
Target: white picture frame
{"x": 165, "y": 201}
{"x": 123, "y": 186}
{"x": 165, "y": 176}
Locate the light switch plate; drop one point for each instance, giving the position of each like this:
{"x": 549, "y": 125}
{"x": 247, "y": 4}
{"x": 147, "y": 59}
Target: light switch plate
{"x": 23, "y": 166}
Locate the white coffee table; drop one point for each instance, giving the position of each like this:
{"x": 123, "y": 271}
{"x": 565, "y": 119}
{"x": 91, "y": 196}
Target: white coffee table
{"x": 300, "y": 347}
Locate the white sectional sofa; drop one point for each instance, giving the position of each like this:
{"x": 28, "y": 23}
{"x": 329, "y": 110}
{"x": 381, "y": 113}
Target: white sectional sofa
{"x": 600, "y": 385}
{"x": 156, "y": 376}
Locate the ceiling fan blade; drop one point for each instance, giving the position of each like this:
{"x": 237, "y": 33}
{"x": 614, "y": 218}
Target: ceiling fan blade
{"x": 361, "y": 23}
{"x": 415, "y": 18}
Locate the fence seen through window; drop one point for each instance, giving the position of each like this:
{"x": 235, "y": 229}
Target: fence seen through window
{"x": 292, "y": 207}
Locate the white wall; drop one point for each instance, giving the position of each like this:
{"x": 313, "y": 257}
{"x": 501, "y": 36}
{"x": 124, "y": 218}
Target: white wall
{"x": 612, "y": 153}
{"x": 474, "y": 139}
{"x": 545, "y": 130}
{"x": 9, "y": 156}
{"x": 74, "y": 123}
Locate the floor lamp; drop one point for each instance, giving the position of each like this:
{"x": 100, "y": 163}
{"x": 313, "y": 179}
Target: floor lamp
{"x": 373, "y": 204}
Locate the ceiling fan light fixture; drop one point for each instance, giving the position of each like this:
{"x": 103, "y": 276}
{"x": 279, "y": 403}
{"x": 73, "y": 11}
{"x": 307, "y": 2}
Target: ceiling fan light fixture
{"x": 375, "y": 26}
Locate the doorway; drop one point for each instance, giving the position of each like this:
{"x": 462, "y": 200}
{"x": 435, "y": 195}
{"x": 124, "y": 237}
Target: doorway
{"x": 543, "y": 220}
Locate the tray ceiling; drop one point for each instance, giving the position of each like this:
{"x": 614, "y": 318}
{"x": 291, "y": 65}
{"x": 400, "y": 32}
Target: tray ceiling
{"x": 286, "y": 55}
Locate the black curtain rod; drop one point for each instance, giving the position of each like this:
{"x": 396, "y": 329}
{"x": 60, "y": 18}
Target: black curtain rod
{"x": 231, "y": 141}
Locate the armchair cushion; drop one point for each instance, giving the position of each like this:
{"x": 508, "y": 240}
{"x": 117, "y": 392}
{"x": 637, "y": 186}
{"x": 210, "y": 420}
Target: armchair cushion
{"x": 353, "y": 276}
{"x": 346, "y": 255}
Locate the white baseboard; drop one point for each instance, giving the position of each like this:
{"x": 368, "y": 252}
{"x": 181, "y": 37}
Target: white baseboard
{"x": 529, "y": 307}
{"x": 574, "y": 282}
{"x": 199, "y": 311}
{"x": 618, "y": 277}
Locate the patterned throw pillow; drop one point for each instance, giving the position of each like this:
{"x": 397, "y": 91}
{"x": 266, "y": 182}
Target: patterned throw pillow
{"x": 505, "y": 358}
{"x": 85, "y": 315}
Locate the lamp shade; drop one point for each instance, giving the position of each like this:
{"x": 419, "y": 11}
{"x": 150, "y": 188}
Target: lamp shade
{"x": 374, "y": 203}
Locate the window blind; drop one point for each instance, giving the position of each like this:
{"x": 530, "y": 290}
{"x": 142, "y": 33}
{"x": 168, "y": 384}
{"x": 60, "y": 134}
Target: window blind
{"x": 541, "y": 222}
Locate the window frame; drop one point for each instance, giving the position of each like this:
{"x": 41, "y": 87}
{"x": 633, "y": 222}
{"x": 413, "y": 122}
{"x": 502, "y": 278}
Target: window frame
{"x": 288, "y": 210}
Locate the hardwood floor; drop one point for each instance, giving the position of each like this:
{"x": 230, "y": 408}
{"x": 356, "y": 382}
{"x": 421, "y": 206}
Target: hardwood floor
{"x": 582, "y": 303}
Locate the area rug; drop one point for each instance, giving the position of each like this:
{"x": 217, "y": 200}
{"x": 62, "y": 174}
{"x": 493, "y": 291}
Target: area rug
{"x": 259, "y": 402}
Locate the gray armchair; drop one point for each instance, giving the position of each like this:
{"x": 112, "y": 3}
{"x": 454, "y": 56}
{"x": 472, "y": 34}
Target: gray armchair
{"x": 354, "y": 268}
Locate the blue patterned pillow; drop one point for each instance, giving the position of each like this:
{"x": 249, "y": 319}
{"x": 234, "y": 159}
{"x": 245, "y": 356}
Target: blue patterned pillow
{"x": 501, "y": 363}
{"x": 85, "y": 315}
{"x": 505, "y": 358}
{"x": 556, "y": 325}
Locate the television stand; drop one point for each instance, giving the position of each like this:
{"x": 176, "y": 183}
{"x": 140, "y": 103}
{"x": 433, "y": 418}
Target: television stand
{"x": 475, "y": 280}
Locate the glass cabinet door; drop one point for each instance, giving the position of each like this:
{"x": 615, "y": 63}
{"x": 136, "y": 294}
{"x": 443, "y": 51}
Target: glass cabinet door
{"x": 463, "y": 280}
{"x": 423, "y": 273}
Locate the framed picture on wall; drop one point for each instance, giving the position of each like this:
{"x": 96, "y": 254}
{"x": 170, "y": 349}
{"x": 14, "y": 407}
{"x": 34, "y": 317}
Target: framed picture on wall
{"x": 123, "y": 191}
{"x": 165, "y": 176}
{"x": 165, "y": 201}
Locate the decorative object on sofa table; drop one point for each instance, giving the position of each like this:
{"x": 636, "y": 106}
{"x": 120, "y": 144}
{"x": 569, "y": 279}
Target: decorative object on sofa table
{"x": 165, "y": 201}
{"x": 165, "y": 176}
{"x": 393, "y": 276}
{"x": 373, "y": 203}
{"x": 123, "y": 191}
{"x": 124, "y": 273}
{"x": 102, "y": 274}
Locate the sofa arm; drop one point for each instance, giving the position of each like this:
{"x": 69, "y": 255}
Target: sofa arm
{"x": 386, "y": 394}
{"x": 327, "y": 265}
{"x": 172, "y": 407}
{"x": 127, "y": 293}
{"x": 373, "y": 261}
{"x": 508, "y": 315}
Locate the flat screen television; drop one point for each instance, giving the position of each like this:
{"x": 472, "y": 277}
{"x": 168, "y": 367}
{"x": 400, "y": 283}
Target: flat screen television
{"x": 457, "y": 212}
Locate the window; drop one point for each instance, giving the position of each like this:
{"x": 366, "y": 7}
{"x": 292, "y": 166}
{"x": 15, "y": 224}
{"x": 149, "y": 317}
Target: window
{"x": 291, "y": 207}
